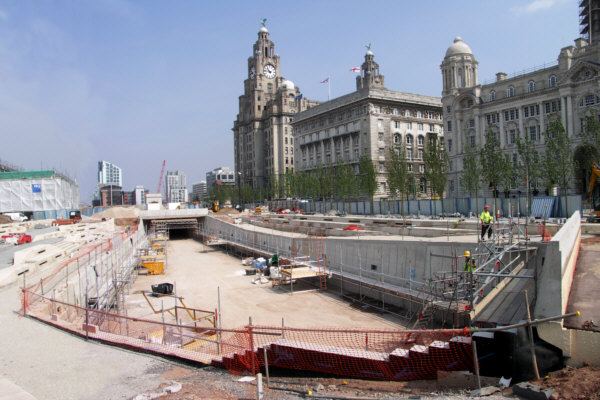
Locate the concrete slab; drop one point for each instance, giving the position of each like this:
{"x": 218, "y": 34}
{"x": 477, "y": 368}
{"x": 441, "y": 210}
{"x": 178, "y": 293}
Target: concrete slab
{"x": 10, "y": 391}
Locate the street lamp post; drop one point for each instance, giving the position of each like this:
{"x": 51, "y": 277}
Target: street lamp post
{"x": 240, "y": 189}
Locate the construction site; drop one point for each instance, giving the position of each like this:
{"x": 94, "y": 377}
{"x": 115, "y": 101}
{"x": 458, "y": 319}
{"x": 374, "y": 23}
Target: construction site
{"x": 370, "y": 298}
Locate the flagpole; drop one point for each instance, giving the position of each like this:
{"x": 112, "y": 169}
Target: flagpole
{"x": 328, "y": 88}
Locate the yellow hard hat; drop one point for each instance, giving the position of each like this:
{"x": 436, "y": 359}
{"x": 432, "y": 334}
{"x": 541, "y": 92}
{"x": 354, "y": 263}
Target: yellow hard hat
{"x": 467, "y": 253}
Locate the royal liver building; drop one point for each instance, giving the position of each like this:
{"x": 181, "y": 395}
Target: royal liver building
{"x": 520, "y": 105}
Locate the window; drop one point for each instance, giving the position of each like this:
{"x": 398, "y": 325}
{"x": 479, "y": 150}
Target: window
{"x": 397, "y": 138}
{"x": 532, "y": 133}
{"x": 512, "y": 134}
{"x": 451, "y": 185}
{"x": 552, "y": 81}
{"x": 492, "y": 95}
{"x": 356, "y": 156}
{"x": 422, "y": 168}
{"x": 530, "y": 86}
{"x": 380, "y": 123}
{"x": 431, "y": 128}
{"x": 409, "y": 139}
{"x": 470, "y": 103}
{"x": 420, "y": 140}
{"x": 448, "y": 109}
{"x": 420, "y": 155}
{"x": 589, "y": 99}
{"x": 380, "y": 136}
{"x": 510, "y": 92}
{"x": 355, "y": 126}
{"x": 472, "y": 141}
{"x": 419, "y": 114}
{"x": 422, "y": 185}
{"x": 381, "y": 167}
{"x": 381, "y": 152}
{"x": 409, "y": 154}
{"x": 449, "y": 145}
{"x": 408, "y": 126}
{"x": 395, "y": 112}
{"x": 471, "y": 123}
{"x": 449, "y": 128}
{"x": 410, "y": 167}
{"x": 355, "y": 139}
{"x": 397, "y": 124}
{"x": 420, "y": 127}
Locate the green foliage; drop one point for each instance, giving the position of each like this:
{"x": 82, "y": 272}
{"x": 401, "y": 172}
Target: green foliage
{"x": 436, "y": 162}
{"x": 494, "y": 166}
{"x": 345, "y": 182}
{"x": 470, "y": 178}
{"x": 367, "y": 178}
{"x": 400, "y": 180}
{"x": 558, "y": 163}
{"x": 528, "y": 166}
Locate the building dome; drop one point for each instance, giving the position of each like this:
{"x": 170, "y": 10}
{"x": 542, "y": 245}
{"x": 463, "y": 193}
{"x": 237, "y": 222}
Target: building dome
{"x": 287, "y": 85}
{"x": 369, "y": 53}
{"x": 458, "y": 47}
{"x": 263, "y": 29}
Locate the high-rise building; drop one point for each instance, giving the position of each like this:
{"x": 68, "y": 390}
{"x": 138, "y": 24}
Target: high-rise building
{"x": 263, "y": 141}
{"x": 199, "y": 191}
{"x": 520, "y": 105}
{"x": 139, "y": 195}
{"x": 368, "y": 122}
{"x": 176, "y": 187}
{"x": 109, "y": 174}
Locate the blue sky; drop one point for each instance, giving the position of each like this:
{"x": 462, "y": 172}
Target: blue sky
{"x": 136, "y": 82}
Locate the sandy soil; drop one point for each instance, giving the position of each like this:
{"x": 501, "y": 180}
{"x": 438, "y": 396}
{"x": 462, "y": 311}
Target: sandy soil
{"x": 198, "y": 270}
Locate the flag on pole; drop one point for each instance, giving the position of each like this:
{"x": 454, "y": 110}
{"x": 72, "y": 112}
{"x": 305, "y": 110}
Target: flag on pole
{"x": 325, "y": 80}
{"x": 298, "y": 97}
{"x": 355, "y": 69}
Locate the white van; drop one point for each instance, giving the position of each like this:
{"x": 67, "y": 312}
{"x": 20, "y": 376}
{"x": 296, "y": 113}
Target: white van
{"x": 17, "y": 216}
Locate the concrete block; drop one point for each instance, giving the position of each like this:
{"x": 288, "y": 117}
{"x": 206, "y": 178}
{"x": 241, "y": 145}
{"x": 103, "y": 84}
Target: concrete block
{"x": 533, "y": 392}
{"x": 90, "y": 328}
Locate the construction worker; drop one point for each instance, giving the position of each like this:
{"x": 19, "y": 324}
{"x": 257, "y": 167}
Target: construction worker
{"x": 486, "y": 222}
{"x": 469, "y": 262}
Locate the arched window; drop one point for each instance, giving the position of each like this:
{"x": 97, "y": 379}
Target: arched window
{"x": 530, "y": 86}
{"x": 510, "y": 92}
{"x": 420, "y": 140}
{"x": 552, "y": 81}
{"x": 419, "y": 114}
{"x": 492, "y": 95}
{"x": 460, "y": 80}
{"x": 397, "y": 138}
{"x": 409, "y": 139}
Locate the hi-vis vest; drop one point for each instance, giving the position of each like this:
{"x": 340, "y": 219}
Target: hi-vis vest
{"x": 486, "y": 217}
{"x": 469, "y": 265}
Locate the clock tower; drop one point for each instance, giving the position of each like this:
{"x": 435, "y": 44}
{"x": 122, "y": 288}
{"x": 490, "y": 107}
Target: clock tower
{"x": 263, "y": 140}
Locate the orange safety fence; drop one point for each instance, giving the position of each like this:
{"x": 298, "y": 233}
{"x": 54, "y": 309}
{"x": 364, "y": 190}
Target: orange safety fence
{"x": 362, "y": 353}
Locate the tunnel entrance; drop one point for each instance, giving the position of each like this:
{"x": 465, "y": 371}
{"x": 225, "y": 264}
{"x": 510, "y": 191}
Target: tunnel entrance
{"x": 175, "y": 228}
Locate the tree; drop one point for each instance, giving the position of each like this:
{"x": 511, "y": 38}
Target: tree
{"x": 590, "y": 149}
{"x": 345, "y": 182}
{"x": 435, "y": 158}
{"x": 367, "y": 178}
{"x": 493, "y": 164}
{"x": 400, "y": 180}
{"x": 528, "y": 166}
{"x": 470, "y": 178}
{"x": 274, "y": 189}
{"x": 559, "y": 165}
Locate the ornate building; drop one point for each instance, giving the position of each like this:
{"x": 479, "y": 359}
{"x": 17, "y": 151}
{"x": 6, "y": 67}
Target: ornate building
{"x": 519, "y": 105}
{"x": 263, "y": 141}
{"x": 368, "y": 122}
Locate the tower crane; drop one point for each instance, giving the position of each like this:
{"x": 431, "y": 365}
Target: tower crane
{"x": 162, "y": 173}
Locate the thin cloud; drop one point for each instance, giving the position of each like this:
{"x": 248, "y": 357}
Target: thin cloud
{"x": 535, "y": 6}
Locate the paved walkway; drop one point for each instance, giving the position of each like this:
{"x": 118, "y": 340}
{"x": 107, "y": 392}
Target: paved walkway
{"x": 584, "y": 290}
{"x": 39, "y": 361}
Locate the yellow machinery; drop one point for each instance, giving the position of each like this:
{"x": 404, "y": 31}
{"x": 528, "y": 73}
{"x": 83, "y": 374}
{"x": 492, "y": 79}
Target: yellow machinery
{"x": 258, "y": 209}
{"x": 595, "y": 192}
{"x": 154, "y": 258}
{"x": 214, "y": 206}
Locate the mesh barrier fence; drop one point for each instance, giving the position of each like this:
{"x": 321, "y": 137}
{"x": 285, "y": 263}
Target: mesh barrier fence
{"x": 377, "y": 354}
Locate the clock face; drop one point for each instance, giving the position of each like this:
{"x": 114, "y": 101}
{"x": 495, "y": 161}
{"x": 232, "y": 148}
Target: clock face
{"x": 252, "y": 72}
{"x": 269, "y": 71}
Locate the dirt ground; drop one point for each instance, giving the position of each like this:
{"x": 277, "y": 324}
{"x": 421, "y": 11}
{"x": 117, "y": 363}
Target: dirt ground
{"x": 197, "y": 270}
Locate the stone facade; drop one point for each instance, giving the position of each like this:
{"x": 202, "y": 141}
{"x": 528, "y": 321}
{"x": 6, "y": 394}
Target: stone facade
{"x": 263, "y": 141}
{"x": 515, "y": 106}
{"x": 368, "y": 122}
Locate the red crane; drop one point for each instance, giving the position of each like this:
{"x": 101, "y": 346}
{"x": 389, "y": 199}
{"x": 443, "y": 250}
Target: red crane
{"x": 162, "y": 173}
